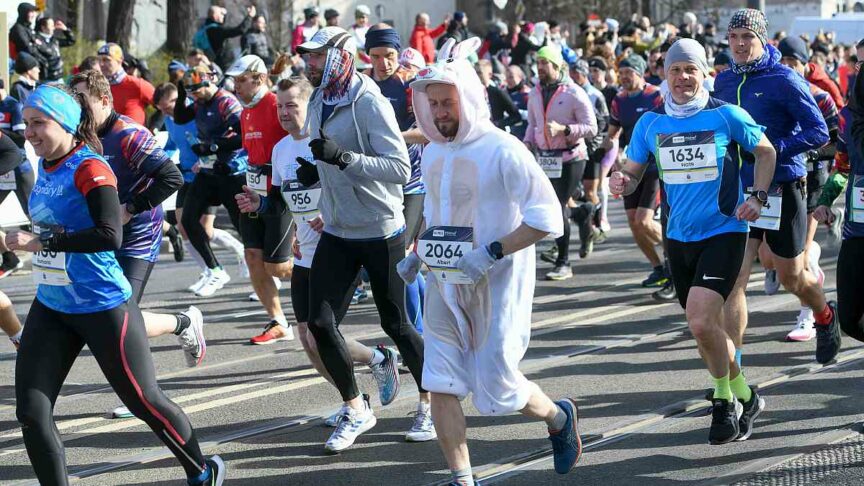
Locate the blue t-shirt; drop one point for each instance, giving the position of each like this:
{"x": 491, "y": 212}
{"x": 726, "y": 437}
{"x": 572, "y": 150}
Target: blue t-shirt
{"x": 398, "y": 93}
{"x": 181, "y": 138}
{"x": 694, "y": 156}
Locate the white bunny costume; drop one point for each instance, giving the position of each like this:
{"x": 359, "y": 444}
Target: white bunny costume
{"x": 484, "y": 178}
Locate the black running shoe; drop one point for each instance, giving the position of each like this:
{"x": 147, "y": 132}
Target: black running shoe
{"x": 752, "y": 409}
{"x": 550, "y": 255}
{"x": 828, "y": 338}
{"x": 657, "y": 278}
{"x": 176, "y": 240}
{"x": 11, "y": 264}
{"x": 724, "y": 421}
{"x": 667, "y": 293}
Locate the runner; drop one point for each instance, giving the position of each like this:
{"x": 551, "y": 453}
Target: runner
{"x": 635, "y": 98}
{"x": 292, "y": 101}
{"x": 16, "y": 173}
{"x": 80, "y": 284}
{"x": 9, "y": 322}
{"x": 691, "y": 136}
{"x": 268, "y": 247}
{"x": 560, "y": 118}
{"x": 490, "y": 201}
{"x": 220, "y": 171}
{"x": 598, "y": 70}
{"x": 779, "y": 99}
{"x": 363, "y": 164}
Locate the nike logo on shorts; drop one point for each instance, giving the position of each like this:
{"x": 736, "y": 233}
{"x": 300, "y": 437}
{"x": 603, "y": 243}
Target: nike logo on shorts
{"x": 706, "y": 277}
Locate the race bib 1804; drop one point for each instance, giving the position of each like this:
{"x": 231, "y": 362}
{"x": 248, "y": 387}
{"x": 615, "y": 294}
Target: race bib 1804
{"x": 552, "y": 162}
{"x": 687, "y": 157}
{"x": 440, "y": 247}
{"x": 302, "y": 201}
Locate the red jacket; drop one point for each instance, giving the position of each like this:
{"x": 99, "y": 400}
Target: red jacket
{"x": 422, "y": 39}
{"x": 131, "y": 96}
{"x": 820, "y": 78}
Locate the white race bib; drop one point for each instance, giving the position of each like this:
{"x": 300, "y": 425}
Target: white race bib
{"x": 440, "y": 247}
{"x": 769, "y": 218}
{"x": 206, "y": 161}
{"x": 257, "y": 181}
{"x": 552, "y": 162}
{"x": 7, "y": 181}
{"x": 687, "y": 157}
{"x": 49, "y": 268}
{"x": 302, "y": 201}
{"x": 858, "y": 199}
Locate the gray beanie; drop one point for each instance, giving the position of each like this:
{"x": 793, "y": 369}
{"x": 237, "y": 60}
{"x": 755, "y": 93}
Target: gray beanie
{"x": 686, "y": 50}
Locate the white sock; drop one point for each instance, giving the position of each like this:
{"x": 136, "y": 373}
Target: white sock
{"x": 603, "y": 192}
{"x": 281, "y": 320}
{"x": 225, "y": 240}
{"x": 559, "y": 421}
{"x": 377, "y": 357}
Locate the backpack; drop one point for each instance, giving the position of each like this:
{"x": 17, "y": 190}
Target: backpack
{"x": 201, "y": 41}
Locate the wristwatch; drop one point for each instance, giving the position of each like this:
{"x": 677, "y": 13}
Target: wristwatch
{"x": 214, "y": 148}
{"x": 345, "y": 159}
{"x": 762, "y": 197}
{"x": 496, "y": 250}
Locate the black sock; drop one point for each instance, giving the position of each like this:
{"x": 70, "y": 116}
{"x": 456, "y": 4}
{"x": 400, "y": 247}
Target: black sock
{"x": 183, "y": 322}
{"x": 659, "y": 268}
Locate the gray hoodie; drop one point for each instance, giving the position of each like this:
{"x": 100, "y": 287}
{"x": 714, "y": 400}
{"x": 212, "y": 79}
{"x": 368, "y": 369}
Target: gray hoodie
{"x": 364, "y": 200}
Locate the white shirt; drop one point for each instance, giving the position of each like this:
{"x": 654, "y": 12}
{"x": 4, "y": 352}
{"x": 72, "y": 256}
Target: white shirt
{"x": 285, "y": 166}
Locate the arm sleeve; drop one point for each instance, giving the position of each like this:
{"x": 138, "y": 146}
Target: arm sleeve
{"x": 584, "y": 112}
{"x": 167, "y": 179}
{"x": 638, "y": 150}
{"x": 10, "y": 154}
{"x": 743, "y": 128}
{"x": 390, "y": 162}
{"x": 107, "y": 231}
{"x": 526, "y": 183}
{"x": 814, "y": 132}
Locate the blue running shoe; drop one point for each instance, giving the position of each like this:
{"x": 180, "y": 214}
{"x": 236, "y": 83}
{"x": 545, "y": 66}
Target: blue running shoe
{"x": 360, "y": 295}
{"x": 386, "y": 374}
{"x": 566, "y": 443}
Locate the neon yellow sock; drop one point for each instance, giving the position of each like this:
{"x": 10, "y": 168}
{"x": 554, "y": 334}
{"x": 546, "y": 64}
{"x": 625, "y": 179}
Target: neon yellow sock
{"x": 721, "y": 388}
{"x": 739, "y": 388}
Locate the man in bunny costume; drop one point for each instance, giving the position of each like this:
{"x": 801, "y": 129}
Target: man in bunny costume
{"x": 487, "y": 203}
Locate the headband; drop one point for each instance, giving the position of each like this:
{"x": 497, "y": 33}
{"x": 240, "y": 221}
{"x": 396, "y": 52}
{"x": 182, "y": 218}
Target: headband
{"x": 57, "y": 104}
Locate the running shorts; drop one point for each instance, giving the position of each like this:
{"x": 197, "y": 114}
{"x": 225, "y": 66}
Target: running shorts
{"x": 646, "y": 193}
{"x": 712, "y": 263}
{"x": 789, "y": 240}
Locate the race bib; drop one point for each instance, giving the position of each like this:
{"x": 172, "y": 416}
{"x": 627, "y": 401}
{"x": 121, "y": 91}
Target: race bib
{"x": 302, "y": 201}
{"x": 552, "y": 162}
{"x": 7, "y": 181}
{"x": 440, "y": 247}
{"x": 257, "y": 181}
{"x": 769, "y": 218}
{"x": 858, "y": 199}
{"x": 687, "y": 157}
{"x": 206, "y": 161}
{"x": 49, "y": 267}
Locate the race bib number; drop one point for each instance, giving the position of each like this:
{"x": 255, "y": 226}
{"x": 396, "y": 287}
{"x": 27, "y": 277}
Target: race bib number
{"x": 858, "y": 199}
{"x": 687, "y": 157}
{"x": 49, "y": 268}
{"x": 257, "y": 181}
{"x": 769, "y": 218}
{"x": 7, "y": 181}
{"x": 440, "y": 247}
{"x": 302, "y": 201}
{"x": 552, "y": 162}
{"x": 207, "y": 161}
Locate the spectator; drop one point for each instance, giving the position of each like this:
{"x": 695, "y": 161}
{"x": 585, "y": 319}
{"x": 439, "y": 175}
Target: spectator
{"x": 131, "y": 94}
{"x": 27, "y": 68}
{"x": 137, "y": 67}
{"x": 255, "y": 41}
{"x": 307, "y": 29}
{"x": 213, "y": 34}
{"x": 522, "y": 47}
{"x": 176, "y": 71}
{"x": 197, "y": 57}
{"x": 331, "y": 17}
{"x": 504, "y": 112}
{"x": 461, "y": 19}
{"x": 452, "y": 32}
{"x": 654, "y": 68}
{"x": 721, "y": 62}
{"x": 21, "y": 35}
{"x": 49, "y": 49}
{"x": 422, "y": 37}
{"x": 358, "y": 32}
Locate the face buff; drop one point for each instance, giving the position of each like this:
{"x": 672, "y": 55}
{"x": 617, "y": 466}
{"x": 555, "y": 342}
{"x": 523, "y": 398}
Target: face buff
{"x": 338, "y": 73}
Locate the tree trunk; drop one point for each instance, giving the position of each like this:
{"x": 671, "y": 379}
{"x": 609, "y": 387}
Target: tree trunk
{"x": 120, "y": 16}
{"x": 181, "y": 25}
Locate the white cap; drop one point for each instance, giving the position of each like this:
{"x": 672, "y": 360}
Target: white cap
{"x": 329, "y": 37}
{"x": 411, "y": 57}
{"x": 247, "y": 64}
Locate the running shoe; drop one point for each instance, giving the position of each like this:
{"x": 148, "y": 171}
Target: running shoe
{"x": 667, "y": 293}
{"x": 828, "y": 338}
{"x": 772, "y": 283}
{"x": 202, "y": 279}
{"x": 253, "y": 297}
{"x": 423, "y": 430}
{"x": 566, "y": 443}
{"x": 386, "y": 374}
{"x": 176, "y": 240}
{"x": 121, "y": 412}
{"x": 813, "y": 255}
{"x": 560, "y": 272}
{"x": 803, "y": 330}
{"x": 333, "y": 420}
{"x": 550, "y": 255}
{"x": 11, "y": 264}
{"x": 657, "y": 278}
{"x": 272, "y": 335}
{"x": 192, "y": 338}
{"x": 750, "y": 411}
{"x": 352, "y": 423}
{"x": 360, "y": 295}
{"x": 586, "y": 246}
{"x": 217, "y": 472}
{"x": 724, "y": 421}
{"x": 599, "y": 235}
{"x": 217, "y": 279}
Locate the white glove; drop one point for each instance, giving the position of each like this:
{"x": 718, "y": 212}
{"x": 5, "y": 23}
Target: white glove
{"x": 408, "y": 268}
{"x": 476, "y": 263}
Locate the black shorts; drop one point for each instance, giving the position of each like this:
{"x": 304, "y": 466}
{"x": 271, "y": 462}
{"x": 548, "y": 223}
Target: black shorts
{"x": 300, "y": 293}
{"x": 181, "y": 196}
{"x": 269, "y": 233}
{"x": 412, "y": 210}
{"x": 788, "y": 241}
{"x": 816, "y": 180}
{"x": 592, "y": 168}
{"x": 645, "y": 195}
{"x": 713, "y": 263}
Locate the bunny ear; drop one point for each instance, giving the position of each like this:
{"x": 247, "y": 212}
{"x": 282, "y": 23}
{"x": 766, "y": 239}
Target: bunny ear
{"x": 466, "y": 48}
{"x": 444, "y": 52}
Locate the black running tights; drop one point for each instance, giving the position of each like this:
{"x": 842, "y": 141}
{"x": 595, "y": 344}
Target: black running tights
{"x": 850, "y": 283}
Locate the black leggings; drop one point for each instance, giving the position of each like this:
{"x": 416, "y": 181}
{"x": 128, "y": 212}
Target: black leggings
{"x": 205, "y": 191}
{"x": 23, "y": 187}
{"x": 331, "y": 284}
{"x": 118, "y": 340}
{"x": 571, "y": 174}
{"x": 137, "y": 272}
{"x": 850, "y": 283}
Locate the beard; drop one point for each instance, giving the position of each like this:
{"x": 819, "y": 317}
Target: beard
{"x": 448, "y": 129}
{"x": 315, "y": 77}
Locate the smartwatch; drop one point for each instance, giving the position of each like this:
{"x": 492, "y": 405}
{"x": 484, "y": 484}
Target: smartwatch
{"x": 345, "y": 159}
{"x": 762, "y": 197}
{"x": 496, "y": 250}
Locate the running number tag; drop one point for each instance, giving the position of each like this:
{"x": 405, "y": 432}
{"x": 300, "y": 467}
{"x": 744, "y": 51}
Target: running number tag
{"x": 206, "y": 161}
{"x": 769, "y": 218}
{"x": 688, "y": 157}
{"x": 552, "y": 162}
{"x": 440, "y": 247}
{"x": 858, "y": 199}
{"x": 49, "y": 267}
{"x": 302, "y": 201}
{"x": 257, "y": 181}
{"x": 7, "y": 181}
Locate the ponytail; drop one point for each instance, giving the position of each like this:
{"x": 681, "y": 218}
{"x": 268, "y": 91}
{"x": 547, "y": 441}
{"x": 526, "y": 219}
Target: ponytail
{"x": 87, "y": 128}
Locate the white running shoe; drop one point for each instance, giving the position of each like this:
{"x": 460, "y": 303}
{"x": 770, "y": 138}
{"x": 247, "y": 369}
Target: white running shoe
{"x": 772, "y": 283}
{"x": 351, "y": 424}
{"x": 333, "y": 420}
{"x": 121, "y": 412}
{"x": 202, "y": 278}
{"x": 813, "y": 255}
{"x": 253, "y": 297}
{"x": 803, "y": 330}
{"x": 423, "y": 430}
{"x": 217, "y": 279}
{"x": 192, "y": 338}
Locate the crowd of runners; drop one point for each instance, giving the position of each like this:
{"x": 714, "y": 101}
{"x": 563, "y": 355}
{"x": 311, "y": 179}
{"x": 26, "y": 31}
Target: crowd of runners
{"x": 423, "y": 172}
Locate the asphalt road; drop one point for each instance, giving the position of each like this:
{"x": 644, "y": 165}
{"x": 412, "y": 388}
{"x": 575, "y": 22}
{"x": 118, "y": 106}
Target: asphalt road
{"x": 628, "y": 361}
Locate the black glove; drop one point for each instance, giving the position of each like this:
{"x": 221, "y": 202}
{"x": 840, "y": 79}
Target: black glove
{"x": 307, "y": 173}
{"x": 327, "y": 151}
{"x": 202, "y": 149}
{"x": 748, "y": 157}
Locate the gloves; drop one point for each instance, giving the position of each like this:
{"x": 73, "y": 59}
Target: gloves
{"x": 307, "y": 173}
{"x": 202, "y": 149}
{"x": 327, "y": 151}
{"x": 408, "y": 268}
{"x": 476, "y": 263}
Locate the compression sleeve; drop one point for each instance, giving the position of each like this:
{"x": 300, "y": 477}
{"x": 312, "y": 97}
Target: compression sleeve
{"x": 107, "y": 231}
{"x": 167, "y": 179}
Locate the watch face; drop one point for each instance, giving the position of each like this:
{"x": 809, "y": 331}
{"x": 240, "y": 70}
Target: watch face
{"x": 346, "y": 157}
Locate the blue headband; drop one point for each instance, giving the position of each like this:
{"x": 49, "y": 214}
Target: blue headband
{"x": 57, "y": 104}
{"x": 387, "y": 37}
